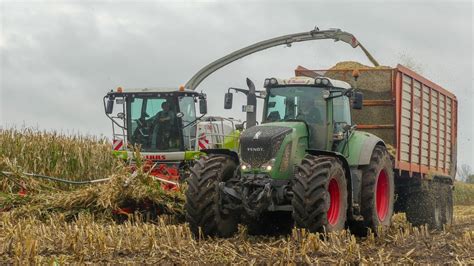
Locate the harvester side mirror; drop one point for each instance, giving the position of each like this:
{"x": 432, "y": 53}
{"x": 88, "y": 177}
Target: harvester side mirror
{"x": 110, "y": 106}
{"x": 203, "y": 106}
{"x": 358, "y": 99}
{"x": 228, "y": 98}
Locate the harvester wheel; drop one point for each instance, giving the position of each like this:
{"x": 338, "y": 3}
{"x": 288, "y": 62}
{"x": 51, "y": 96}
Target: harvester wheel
{"x": 320, "y": 194}
{"x": 428, "y": 205}
{"x": 378, "y": 190}
{"x": 203, "y": 203}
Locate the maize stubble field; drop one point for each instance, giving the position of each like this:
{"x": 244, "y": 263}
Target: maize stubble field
{"x": 47, "y": 222}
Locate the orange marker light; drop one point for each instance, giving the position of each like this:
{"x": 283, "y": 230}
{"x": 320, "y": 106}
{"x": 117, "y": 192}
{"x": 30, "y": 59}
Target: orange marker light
{"x": 181, "y": 88}
{"x": 119, "y": 90}
{"x": 355, "y": 73}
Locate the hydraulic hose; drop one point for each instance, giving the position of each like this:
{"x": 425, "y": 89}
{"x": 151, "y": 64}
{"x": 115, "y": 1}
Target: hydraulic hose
{"x": 72, "y": 182}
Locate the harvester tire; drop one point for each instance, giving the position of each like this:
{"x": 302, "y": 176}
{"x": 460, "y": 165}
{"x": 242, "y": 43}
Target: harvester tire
{"x": 427, "y": 205}
{"x": 320, "y": 194}
{"x": 204, "y": 211}
{"x": 378, "y": 190}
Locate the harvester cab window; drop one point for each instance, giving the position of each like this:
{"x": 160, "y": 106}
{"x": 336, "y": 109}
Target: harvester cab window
{"x": 188, "y": 109}
{"x": 153, "y": 123}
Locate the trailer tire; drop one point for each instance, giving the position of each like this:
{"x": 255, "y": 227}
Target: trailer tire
{"x": 203, "y": 209}
{"x": 320, "y": 194}
{"x": 426, "y": 205}
{"x": 447, "y": 207}
{"x": 378, "y": 190}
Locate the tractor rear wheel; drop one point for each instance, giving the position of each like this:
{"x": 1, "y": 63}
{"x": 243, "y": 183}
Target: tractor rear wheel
{"x": 320, "y": 194}
{"x": 203, "y": 199}
{"x": 378, "y": 190}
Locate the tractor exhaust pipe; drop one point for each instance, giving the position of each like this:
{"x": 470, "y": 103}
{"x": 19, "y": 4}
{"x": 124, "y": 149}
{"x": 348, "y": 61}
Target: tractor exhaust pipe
{"x": 251, "y": 105}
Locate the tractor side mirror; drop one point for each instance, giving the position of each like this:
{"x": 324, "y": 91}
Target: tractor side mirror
{"x": 358, "y": 98}
{"x": 109, "y": 108}
{"x": 228, "y": 98}
{"x": 203, "y": 106}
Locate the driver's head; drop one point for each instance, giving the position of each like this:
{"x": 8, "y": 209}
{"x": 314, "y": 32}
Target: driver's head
{"x": 306, "y": 104}
{"x": 165, "y": 106}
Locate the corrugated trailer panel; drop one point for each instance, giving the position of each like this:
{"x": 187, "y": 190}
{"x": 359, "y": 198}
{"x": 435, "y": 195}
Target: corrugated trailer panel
{"x": 426, "y": 129}
{"x": 412, "y": 114}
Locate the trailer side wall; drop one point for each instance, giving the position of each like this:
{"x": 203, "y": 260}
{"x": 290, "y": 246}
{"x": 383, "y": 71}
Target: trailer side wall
{"x": 415, "y": 116}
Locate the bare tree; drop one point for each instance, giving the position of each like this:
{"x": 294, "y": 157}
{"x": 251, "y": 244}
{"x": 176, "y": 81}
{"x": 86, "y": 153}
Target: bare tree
{"x": 464, "y": 172}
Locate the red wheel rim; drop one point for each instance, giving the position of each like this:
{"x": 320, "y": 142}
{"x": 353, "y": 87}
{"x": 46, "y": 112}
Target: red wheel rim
{"x": 335, "y": 202}
{"x": 382, "y": 195}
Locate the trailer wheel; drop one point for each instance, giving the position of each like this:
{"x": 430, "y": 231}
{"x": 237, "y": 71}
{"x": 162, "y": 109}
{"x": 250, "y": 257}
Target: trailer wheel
{"x": 320, "y": 194}
{"x": 447, "y": 207}
{"x": 203, "y": 207}
{"x": 426, "y": 205}
{"x": 378, "y": 190}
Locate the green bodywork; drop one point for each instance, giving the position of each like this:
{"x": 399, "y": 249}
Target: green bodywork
{"x": 352, "y": 148}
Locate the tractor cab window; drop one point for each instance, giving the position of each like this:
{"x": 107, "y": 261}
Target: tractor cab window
{"x": 341, "y": 110}
{"x": 188, "y": 109}
{"x": 153, "y": 123}
{"x": 299, "y": 103}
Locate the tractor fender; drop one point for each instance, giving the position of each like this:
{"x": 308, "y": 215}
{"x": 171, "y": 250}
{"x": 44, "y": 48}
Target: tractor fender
{"x": 227, "y": 152}
{"x": 361, "y": 145}
{"x": 341, "y": 157}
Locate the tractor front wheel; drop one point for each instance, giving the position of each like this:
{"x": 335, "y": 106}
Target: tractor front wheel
{"x": 203, "y": 205}
{"x": 320, "y": 194}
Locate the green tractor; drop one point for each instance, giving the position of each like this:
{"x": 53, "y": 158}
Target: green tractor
{"x": 304, "y": 166}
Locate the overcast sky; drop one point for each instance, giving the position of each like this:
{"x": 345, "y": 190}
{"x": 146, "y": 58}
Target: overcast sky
{"x": 58, "y": 59}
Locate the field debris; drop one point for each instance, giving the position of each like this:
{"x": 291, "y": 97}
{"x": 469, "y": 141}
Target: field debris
{"x": 85, "y": 240}
{"x": 54, "y": 224}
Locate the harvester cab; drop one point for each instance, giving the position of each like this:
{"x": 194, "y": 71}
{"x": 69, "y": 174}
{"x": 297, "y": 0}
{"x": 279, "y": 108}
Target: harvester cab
{"x": 164, "y": 125}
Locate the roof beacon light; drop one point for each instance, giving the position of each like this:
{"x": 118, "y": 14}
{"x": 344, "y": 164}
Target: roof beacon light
{"x": 266, "y": 83}
{"x": 181, "y": 88}
{"x": 119, "y": 90}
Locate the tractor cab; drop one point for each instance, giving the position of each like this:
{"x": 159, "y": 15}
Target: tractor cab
{"x": 161, "y": 122}
{"x": 323, "y": 104}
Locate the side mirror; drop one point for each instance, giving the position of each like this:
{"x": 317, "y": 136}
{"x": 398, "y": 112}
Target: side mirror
{"x": 358, "y": 99}
{"x": 203, "y": 106}
{"x": 228, "y": 100}
{"x": 109, "y": 108}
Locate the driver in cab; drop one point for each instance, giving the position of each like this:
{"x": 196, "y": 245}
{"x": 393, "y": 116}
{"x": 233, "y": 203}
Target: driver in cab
{"x": 165, "y": 127}
{"x": 308, "y": 111}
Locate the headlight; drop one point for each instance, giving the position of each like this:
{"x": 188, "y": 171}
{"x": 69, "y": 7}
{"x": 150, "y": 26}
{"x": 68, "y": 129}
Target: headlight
{"x": 245, "y": 166}
{"x": 268, "y": 166}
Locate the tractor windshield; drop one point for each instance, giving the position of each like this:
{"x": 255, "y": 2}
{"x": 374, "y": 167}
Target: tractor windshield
{"x": 153, "y": 123}
{"x": 299, "y": 103}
